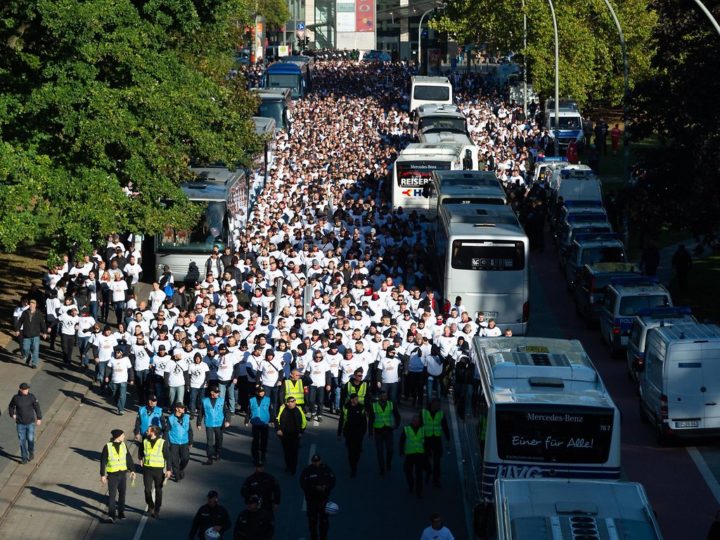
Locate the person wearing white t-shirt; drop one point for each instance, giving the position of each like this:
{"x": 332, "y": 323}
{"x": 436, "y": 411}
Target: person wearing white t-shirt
{"x": 389, "y": 367}
{"x": 434, "y": 365}
{"x": 436, "y": 530}
{"x": 119, "y": 288}
{"x": 133, "y": 270}
{"x": 176, "y": 377}
{"x": 159, "y": 363}
{"x": 68, "y": 322}
{"x": 271, "y": 372}
{"x": 120, "y": 374}
{"x": 198, "y": 372}
{"x": 104, "y": 343}
{"x": 140, "y": 354}
{"x": 156, "y": 298}
{"x": 227, "y": 362}
{"x": 348, "y": 365}
{"x": 320, "y": 376}
{"x": 492, "y": 330}
{"x": 333, "y": 359}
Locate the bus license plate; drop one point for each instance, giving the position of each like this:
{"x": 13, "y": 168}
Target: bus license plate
{"x": 687, "y": 424}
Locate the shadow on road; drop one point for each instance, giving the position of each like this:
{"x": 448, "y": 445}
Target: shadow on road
{"x": 92, "y": 455}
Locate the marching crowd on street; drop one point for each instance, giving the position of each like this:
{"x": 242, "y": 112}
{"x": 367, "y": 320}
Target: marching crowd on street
{"x": 376, "y": 340}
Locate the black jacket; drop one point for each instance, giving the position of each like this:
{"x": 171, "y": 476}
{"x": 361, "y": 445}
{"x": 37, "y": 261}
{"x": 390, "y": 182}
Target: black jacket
{"x": 353, "y": 421}
{"x": 253, "y": 525}
{"x": 263, "y": 485}
{"x": 317, "y": 481}
{"x": 26, "y": 409}
{"x": 290, "y": 422}
{"x": 207, "y": 517}
{"x": 31, "y": 324}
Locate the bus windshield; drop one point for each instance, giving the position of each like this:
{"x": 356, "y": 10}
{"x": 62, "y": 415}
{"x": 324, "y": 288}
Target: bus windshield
{"x": 430, "y": 124}
{"x": 209, "y": 230}
{"x": 418, "y": 173}
{"x": 554, "y": 434}
{"x": 488, "y": 255}
{"x": 274, "y": 110}
{"x": 281, "y": 80}
{"x": 472, "y": 200}
{"x": 431, "y": 93}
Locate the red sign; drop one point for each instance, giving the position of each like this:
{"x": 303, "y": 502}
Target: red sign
{"x": 364, "y": 15}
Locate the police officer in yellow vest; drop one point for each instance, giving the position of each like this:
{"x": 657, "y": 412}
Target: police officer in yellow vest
{"x": 115, "y": 463}
{"x": 355, "y": 385}
{"x": 294, "y": 387}
{"x": 412, "y": 446}
{"x": 154, "y": 456}
{"x": 435, "y": 426}
{"x": 383, "y": 418}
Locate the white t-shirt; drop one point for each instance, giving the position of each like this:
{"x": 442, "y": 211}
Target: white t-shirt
{"x": 176, "y": 370}
{"x": 119, "y": 368}
{"x": 142, "y": 357}
{"x": 197, "y": 374}
{"x": 161, "y": 363}
{"x": 133, "y": 270}
{"x": 317, "y": 372}
{"x": 432, "y": 534}
{"x": 226, "y": 366}
{"x": 270, "y": 371}
{"x": 105, "y": 345}
{"x": 491, "y": 332}
{"x": 348, "y": 367}
{"x": 67, "y": 324}
{"x": 156, "y": 297}
{"x": 390, "y": 369}
{"x": 118, "y": 288}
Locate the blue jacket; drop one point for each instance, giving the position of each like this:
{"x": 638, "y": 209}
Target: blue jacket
{"x": 179, "y": 430}
{"x": 260, "y": 413}
{"x": 145, "y": 419}
{"x": 214, "y": 415}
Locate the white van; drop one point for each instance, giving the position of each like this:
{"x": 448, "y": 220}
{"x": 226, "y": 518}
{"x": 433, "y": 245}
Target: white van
{"x": 680, "y": 381}
{"x": 576, "y": 183}
{"x": 430, "y": 90}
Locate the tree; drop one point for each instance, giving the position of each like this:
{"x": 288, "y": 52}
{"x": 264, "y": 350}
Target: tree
{"x": 679, "y": 103}
{"x": 276, "y": 12}
{"x": 591, "y": 67}
{"x": 102, "y": 97}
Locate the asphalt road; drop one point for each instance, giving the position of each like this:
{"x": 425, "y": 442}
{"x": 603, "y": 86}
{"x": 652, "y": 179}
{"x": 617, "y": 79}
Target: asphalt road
{"x": 382, "y": 508}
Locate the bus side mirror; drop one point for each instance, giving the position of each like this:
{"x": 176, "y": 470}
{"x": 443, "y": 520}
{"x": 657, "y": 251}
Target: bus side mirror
{"x": 426, "y": 191}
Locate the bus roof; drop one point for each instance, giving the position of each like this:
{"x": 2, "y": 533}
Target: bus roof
{"x": 466, "y": 178}
{"x": 439, "y": 152}
{"x": 210, "y": 183}
{"x": 559, "y": 509}
{"x": 532, "y": 370}
{"x": 422, "y": 79}
{"x": 471, "y": 220}
{"x": 465, "y": 190}
{"x": 264, "y": 125}
{"x": 436, "y": 109}
{"x": 273, "y": 94}
{"x": 446, "y": 138}
{"x": 285, "y": 67}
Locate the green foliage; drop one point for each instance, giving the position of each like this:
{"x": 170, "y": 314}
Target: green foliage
{"x": 98, "y": 95}
{"x": 591, "y": 67}
{"x": 276, "y": 12}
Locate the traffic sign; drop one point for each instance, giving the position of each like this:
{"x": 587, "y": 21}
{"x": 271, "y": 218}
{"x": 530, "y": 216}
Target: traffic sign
{"x": 300, "y": 26}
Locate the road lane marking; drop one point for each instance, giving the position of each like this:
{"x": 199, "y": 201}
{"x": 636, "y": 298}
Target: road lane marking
{"x": 459, "y": 460}
{"x": 705, "y": 471}
{"x": 313, "y": 447}
{"x": 140, "y": 527}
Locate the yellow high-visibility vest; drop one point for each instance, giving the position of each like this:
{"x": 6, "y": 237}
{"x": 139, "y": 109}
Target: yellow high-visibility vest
{"x": 117, "y": 460}
{"x": 360, "y": 391}
{"x": 303, "y": 420}
{"x": 153, "y": 455}
{"x": 432, "y": 425}
{"x": 383, "y": 418}
{"x": 414, "y": 442}
{"x": 295, "y": 389}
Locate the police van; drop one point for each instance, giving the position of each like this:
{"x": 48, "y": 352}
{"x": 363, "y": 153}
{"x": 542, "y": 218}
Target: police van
{"x": 591, "y": 248}
{"x": 543, "y": 509}
{"x": 646, "y": 320}
{"x": 624, "y": 299}
{"x": 680, "y": 381}
{"x": 589, "y": 291}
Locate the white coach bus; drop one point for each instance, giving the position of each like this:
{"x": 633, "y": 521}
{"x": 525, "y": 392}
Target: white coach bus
{"x": 469, "y": 149}
{"x": 430, "y": 90}
{"x": 412, "y": 172}
{"x": 548, "y": 412}
{"x": 482, "y": 255}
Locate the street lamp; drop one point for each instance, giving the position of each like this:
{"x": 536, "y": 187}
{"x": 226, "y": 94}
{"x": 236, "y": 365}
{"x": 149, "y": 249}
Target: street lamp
{"x": 525, "y": 109}
{"x": 422, "y": 18}
{"x": 709, "y": 15}
{"x": 557, "y": 79}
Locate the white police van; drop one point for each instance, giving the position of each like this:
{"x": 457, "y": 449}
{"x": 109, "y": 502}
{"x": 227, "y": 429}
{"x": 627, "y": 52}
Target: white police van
{"x": 680, "y": 382}
{"x": 624, "y": 299}
{"x": 646, "y": 320}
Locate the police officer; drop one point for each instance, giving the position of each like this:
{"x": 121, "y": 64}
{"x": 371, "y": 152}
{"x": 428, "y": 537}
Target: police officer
{"x": 210, "y": 516}
{"x": 412, "y": 446}
{"x": 294, "y": 387}
{"x": 115, "y": 462}
{"x": 259, "y": 414}
{"x": 180, "y": 436}
{"x": 355, "y": 385}
{"x": 353, "y": 424}
{"x": 148, "y": 415}
{"x": 383, "y": 419}
{"x": 216, "y": 415}
{"x": 264, "y": 486}
{"x": 317, "y": 481}
{"x": 154, "y": 456}
{"x": 290, "y": 425}
{"x": 252, "y": 523}
{"x": 434, "y": 425}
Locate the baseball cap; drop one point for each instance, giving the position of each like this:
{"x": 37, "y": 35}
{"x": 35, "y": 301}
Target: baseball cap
{"x": 316, "y": 458}
{"x": 24, "y": 386}
{"x": 212, "y": 494}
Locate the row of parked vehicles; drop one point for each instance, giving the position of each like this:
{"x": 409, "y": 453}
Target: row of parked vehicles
{"x": 672, "y": 357}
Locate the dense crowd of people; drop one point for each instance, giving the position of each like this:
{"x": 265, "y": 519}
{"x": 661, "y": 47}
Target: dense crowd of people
{"x": 357, "y": 321}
